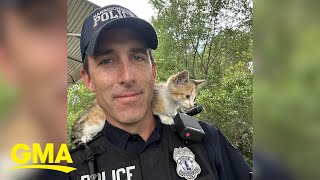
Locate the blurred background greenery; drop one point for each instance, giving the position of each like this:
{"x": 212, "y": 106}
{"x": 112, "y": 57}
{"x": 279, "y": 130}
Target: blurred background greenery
{"x": 8, "y": 97}
{"x": 287, "y": 83}
{"x": 213, "y": 41}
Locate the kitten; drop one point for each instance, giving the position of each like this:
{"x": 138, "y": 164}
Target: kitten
{"x": 177, "y": 92}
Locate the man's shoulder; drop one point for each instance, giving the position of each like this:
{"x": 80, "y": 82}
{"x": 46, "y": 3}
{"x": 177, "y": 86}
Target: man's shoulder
{"x": 209, "y": 129}
{"x": 73, "y": 149}
{"x": 223, "y": 154}
{"x": 214, "y": 138}
{"x": 81, "y": 148}
{"x": 207, "y": 125}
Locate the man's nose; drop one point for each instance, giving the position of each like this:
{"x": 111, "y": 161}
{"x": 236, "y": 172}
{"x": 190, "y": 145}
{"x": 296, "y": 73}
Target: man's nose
{"x": 127, "y": 77}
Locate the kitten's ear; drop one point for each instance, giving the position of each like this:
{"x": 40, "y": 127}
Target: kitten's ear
{"x": 199, "y": 83}
{"x": 182, "y": 77}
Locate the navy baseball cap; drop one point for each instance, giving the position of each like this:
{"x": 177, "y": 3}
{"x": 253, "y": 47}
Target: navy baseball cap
{"x": 109, "y": 17}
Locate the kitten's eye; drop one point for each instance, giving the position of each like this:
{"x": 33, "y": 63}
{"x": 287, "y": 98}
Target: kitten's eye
{"x": 187, "y": 96}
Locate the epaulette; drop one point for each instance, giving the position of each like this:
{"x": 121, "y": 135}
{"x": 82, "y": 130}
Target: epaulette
{"x": 82, "y": 147}
{"x": 73, "y": 150}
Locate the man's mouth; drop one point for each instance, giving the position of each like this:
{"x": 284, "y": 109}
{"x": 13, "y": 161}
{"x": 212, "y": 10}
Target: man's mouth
{"x": 128, "y": 97}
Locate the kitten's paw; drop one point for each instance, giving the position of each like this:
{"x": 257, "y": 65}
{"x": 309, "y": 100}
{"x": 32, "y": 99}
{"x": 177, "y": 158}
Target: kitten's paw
{"x": 89, "y": 131}
{"x": 166, "y": 120}
{"x": 86, "y": 138}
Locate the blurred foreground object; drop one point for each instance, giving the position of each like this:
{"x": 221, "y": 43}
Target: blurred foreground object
{"x": 33, "y": 58}
{"x": 287, "y": 84}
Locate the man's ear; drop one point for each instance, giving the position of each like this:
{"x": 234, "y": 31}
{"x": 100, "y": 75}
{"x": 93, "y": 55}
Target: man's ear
{"x": 154, "y": 71}
{"x": 87, "y": 79}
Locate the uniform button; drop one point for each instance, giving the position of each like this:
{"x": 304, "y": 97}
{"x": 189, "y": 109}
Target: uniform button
{"x": 134, "y": 138}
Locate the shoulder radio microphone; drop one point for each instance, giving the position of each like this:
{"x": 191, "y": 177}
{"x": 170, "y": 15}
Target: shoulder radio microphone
{"x": 188, "y": 127}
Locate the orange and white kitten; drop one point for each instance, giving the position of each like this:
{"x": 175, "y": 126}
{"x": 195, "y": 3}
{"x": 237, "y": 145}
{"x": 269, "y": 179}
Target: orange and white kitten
{"x": 178, "y": 92}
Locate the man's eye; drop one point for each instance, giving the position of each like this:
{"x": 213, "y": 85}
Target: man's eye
{"x": 106, "y": 61}
{"x": 137, "y": 58}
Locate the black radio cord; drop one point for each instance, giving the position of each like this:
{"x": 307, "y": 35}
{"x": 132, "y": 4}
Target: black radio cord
{"x": 196, "y": 110}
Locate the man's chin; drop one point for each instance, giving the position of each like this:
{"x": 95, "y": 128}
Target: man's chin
{"x": 129, "y": 118}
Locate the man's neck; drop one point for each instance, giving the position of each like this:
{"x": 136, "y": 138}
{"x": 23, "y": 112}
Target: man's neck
{"x": 144, "y": 127}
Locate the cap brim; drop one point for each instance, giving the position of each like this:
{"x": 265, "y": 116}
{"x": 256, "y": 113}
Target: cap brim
{"x": 139, "y": 25}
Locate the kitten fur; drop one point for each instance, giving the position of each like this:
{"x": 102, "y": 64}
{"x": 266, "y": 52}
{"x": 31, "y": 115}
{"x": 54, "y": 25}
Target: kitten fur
{"x": 177, "y": 92}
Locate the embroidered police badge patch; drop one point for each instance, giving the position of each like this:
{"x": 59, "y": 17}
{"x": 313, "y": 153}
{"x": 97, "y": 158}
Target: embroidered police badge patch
{"x": 187, "y": 167}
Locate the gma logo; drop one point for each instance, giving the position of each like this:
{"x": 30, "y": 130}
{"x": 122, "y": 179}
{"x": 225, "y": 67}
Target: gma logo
{"x": 46, "y": 157}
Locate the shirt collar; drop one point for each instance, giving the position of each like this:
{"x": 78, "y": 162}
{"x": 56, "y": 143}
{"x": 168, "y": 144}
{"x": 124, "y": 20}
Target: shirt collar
{"x": 120, "y": 137}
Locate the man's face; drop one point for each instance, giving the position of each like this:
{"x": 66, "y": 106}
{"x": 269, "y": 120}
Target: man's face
{"x": 122, "y": 77}
{"x": 33, "y": 55}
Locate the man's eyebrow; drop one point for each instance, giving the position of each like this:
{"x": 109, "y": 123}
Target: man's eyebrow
{"x": 139, "y": 50}
{"x": 103, "y": 52}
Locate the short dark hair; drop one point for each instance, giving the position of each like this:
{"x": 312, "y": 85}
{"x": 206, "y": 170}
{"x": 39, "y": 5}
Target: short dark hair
{"x": 86, "y": 64}
{"x": 151, "y": 56}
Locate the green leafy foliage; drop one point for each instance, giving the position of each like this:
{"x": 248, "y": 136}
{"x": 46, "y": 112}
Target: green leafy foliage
{"x": 229, "y": 108}
{"x": 213, "y": 41}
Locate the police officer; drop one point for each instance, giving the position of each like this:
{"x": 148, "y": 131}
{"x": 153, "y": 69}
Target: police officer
{"x": 133, "y": 145}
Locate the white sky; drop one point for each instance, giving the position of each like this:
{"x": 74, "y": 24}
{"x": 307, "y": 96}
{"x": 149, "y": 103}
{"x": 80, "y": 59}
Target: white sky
{"x": 141, "y": 8}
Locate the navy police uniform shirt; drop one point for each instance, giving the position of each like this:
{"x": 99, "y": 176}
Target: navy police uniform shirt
{"x": 227, "y": 163}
